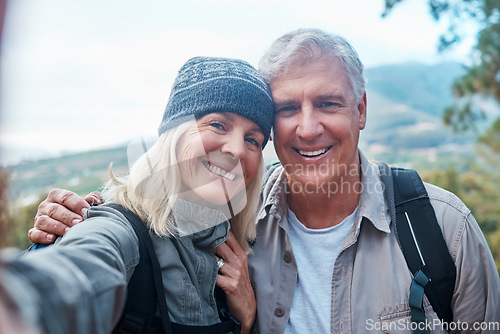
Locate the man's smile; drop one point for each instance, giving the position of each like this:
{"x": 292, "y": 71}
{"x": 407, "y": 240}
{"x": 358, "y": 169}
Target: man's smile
{"x": 310, "y": 153}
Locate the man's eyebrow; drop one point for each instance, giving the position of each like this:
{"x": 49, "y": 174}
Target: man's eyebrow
{"x": 338, "y": 97}
{"x": 279, "y": 104}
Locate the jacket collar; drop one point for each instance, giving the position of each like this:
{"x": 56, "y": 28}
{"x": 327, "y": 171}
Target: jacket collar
{"x": 201, "y": 225}
{"x": 273, "y": 196}
{"x": 372, "y": 204}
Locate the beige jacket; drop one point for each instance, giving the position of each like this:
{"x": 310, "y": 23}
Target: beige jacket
{"x": 371, "y": 280}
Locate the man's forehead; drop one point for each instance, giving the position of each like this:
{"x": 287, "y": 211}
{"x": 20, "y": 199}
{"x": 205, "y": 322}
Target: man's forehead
{"x": 323, "y": 89}
{"x": 298, "y": 69}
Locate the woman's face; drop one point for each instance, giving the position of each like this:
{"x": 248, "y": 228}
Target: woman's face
{"x": 218, "y": 156}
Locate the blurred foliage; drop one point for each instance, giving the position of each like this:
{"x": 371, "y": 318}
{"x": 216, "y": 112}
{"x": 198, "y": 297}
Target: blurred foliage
{"x": 478, "y": 188}
{"x": 30, "y": 182}
{"x": 492, "y": 137}
{"x": 4, "y": 205}
{"x": 14, "y": 222}
{"x": 20, "y": 221}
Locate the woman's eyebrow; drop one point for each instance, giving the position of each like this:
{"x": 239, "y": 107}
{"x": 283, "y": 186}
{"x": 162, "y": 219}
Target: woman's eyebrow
{"x": 227, "y": 115}
{"x": 232, "y": 119}
{"x": 257, "y": 129}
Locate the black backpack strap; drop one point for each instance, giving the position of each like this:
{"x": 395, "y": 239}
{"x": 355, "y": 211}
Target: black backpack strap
{"x": 143, "y": 298}
{"x": 421, "y": 241}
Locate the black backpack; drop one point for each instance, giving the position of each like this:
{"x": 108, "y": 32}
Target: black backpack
{"x": 422, "y": 243}
{"x": 420, "y": 239}
{"x": 145, "y": 295}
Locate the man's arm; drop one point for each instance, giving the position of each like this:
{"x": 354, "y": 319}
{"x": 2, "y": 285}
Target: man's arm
{"x": 61, "y": 210}
{"x": 477, "y": 290}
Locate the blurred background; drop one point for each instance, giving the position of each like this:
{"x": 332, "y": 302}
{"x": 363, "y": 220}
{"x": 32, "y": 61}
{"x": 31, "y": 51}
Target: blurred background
{"x": 80, "y": 79}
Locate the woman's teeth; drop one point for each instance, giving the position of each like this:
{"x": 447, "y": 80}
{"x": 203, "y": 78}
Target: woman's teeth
{"x": 312, "y": 153}
{"x": 221, "y": 172}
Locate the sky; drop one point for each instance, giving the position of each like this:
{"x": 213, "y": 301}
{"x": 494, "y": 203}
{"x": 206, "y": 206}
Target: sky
{"x": 88, "y": 74}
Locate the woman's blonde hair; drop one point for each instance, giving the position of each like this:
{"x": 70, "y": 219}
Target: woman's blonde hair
{"x": 154, "y": 183}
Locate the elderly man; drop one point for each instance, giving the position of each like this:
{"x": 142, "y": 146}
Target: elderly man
{"x": 326, "y": 258}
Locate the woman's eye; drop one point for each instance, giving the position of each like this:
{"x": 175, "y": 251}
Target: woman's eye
{"x": 217, "y": 125}
{"x": 252, "y": 141}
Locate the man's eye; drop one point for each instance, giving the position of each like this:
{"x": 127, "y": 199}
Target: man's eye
{"x": 328, "y": 104}
{"x": 286, "y": 109}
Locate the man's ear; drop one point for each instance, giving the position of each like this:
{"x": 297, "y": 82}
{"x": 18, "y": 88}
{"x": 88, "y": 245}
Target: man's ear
{"x": 362, "y": 106}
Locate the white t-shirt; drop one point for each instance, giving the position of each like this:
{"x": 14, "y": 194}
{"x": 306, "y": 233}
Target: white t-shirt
{"x": 315, "y": 252}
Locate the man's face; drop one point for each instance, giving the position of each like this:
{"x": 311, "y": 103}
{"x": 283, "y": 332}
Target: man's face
{"x": 317, "y": 122}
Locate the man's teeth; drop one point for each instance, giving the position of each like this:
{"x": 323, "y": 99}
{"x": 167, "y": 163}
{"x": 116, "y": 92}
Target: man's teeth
{"x": 221, "y": 172}
{"x": 312, "y": 153}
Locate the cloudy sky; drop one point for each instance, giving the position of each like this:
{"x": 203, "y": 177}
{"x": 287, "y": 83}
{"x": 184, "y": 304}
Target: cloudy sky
{"x": 83, "y": 74}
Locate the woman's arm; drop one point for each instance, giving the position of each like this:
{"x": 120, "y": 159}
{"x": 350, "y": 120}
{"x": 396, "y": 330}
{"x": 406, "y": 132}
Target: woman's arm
{"x": 79, "y": 284}
{"x": 234, "y": 279}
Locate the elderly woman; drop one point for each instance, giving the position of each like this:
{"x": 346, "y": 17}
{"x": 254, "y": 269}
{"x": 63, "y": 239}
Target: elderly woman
{"x": 195, "y": 189}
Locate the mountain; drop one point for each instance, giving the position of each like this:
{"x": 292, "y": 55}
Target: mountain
{"x": 404, "y": 127}
{"x": 419, "y": 86}
{"x": 404, "y": 119}
{"x": 81, "y": 172}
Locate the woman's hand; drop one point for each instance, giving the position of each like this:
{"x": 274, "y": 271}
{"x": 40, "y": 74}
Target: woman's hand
{"x": 234, "y": 279}
{"x": 61, "y": 210}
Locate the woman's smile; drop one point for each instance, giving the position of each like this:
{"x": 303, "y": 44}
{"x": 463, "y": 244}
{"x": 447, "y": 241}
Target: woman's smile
{"x": 220, "y": 171}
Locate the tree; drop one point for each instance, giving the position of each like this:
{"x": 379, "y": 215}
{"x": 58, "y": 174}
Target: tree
{"x": 482, "y": 78}
{"x": 478, "y": 188}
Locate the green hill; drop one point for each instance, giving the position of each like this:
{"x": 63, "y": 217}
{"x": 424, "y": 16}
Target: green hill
{"x": 82, "y": 173}
{"x": 421, "y": 87}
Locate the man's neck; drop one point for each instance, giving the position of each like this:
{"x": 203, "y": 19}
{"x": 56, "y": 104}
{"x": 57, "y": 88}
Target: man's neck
{"x": 322, "y": 210}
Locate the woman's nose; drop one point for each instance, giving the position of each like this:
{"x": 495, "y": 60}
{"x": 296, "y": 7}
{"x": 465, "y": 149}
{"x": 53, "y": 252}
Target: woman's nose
{"x": 235, "y": 145}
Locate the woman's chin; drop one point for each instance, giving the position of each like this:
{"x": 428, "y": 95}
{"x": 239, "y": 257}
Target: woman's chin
{"x": 214, "y": 194}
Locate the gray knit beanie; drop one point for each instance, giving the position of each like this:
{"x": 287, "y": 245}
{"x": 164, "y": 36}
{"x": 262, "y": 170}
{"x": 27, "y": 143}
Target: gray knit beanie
{"x": 206, "y": 84}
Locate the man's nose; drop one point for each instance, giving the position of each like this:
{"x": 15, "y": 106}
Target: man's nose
{"x": 309, "y": 126}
